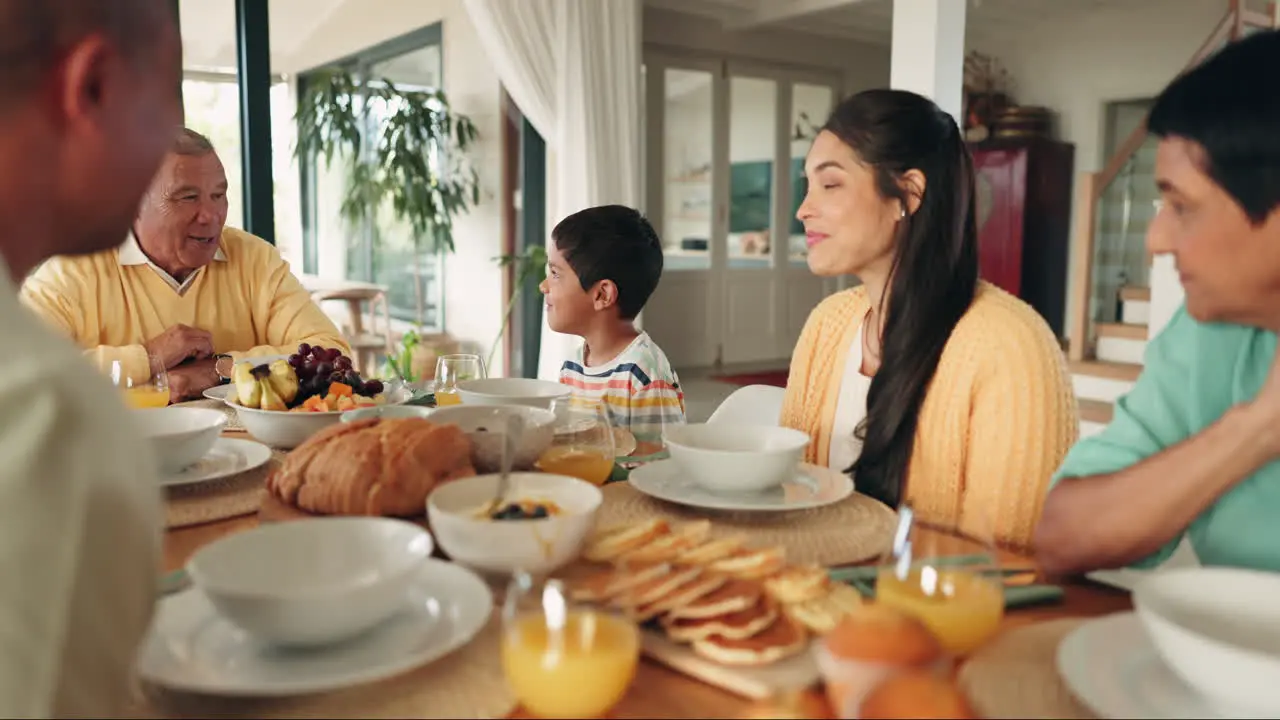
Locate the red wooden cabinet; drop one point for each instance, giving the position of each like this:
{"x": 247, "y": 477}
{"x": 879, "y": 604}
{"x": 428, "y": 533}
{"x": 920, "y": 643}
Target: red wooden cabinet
{"x": 1023, "y": 202}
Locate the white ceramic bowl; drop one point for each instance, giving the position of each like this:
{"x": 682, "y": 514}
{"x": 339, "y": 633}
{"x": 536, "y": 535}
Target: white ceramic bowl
{"x": 390, "y": 412}
{"x": 511, "y": 391}
{"x": 485, "y": 426}
{"x": 304, "y": 583}
{"x": 735, "y": 459}
{"x": 504, "y": 546}
{"x": 1218, "y": 629}
{"x": 288, "y": 430}
{"x": 180, "y": 436}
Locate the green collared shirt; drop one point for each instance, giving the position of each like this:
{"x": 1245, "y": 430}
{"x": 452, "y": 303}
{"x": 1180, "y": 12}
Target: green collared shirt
{"x": 1194, "y": 372}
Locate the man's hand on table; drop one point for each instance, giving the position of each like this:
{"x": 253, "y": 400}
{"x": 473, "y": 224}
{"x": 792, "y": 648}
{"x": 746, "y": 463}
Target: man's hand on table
{"x": 190, "y": 379}
{"x": 180, "y": 344}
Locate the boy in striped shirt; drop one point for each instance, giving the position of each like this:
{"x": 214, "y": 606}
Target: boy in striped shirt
{"x": 602, "y": 266}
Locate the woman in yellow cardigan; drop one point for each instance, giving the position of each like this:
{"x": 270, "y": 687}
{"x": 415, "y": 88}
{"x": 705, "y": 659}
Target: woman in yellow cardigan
{"x": 925, "y": 383}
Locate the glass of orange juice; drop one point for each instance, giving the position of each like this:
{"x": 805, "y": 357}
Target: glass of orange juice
{"x": 949, "y": 578}
{"x": 150, "y": 393}
{"x": 452, "y": 369}
{"x": 561, "y": 659}
{"x": 583, "y": 444}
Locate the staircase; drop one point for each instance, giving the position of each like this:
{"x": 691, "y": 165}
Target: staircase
{"x": 1112, "y": 296}
{"x": 1117, "y": 360}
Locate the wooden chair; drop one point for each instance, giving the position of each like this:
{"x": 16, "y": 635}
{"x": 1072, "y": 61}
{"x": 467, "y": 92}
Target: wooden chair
{"x": 366, "y": 342}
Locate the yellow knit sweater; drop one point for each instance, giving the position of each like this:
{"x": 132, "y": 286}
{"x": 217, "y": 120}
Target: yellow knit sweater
{"x": 995, "y": 423}
{"x": 250, "y": 302}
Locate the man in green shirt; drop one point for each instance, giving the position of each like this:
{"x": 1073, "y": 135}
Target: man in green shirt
{"x": 1194, "y": 449}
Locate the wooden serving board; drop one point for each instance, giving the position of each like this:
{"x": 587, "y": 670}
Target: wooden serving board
{"x": 757, "y": 683}
{"x": 753, "y": 682}
{"x": 273, "y": 510}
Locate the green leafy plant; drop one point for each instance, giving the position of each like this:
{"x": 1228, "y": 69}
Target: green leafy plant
{"x": 403, "y": 151}
{"x": 531, "y": 264}
{"x": 400, "y": 363}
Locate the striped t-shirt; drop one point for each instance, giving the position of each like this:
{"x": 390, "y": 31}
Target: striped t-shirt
{"x": 639, "y": 387}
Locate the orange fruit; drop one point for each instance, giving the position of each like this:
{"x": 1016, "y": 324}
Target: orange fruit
{"x": 883, "y": 634}
{"x": 915, "y": 694}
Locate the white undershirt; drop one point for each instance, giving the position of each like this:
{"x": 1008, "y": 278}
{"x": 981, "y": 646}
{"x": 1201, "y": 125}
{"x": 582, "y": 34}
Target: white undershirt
{"x": 851, "y": 408}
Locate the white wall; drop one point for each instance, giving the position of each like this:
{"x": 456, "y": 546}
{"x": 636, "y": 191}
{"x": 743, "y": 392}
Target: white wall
{"x": 1121, "y": 51}
{"x": 1166, "y": 294}
{"x": 473, "y": 283}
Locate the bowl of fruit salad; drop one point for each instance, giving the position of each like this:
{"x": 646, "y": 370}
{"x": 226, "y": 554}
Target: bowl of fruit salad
{"x": 286, "y": 401}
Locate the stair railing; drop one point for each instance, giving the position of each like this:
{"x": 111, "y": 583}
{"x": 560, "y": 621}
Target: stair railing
{"x": 1091, "y": 187}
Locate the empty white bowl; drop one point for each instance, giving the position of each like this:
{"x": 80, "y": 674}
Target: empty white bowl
{"x": 485, "y": 426}
{"x": 388, "y": 412}
{"x": 504, "y": 546}
{"x": 180, "y": 436}
{"x": 511, "y": 391}
{"x": 735, "y": 459}
{"x": 1218, "y": 629}
{"x": 303, "y": 583}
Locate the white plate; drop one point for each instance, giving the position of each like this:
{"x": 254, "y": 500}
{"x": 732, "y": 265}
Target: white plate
{"x": 1110, "y": 665}
{"x": 812, "y": 487}
{"x": 228, "y": 457}
{"x": 191, "y": 648}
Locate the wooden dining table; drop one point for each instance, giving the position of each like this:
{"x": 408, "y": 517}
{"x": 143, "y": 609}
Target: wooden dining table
{"x": 659, "y": 692}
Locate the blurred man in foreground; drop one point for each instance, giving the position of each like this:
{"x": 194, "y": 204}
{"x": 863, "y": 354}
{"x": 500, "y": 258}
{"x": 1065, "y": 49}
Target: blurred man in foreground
{"x": 88, "y": 103}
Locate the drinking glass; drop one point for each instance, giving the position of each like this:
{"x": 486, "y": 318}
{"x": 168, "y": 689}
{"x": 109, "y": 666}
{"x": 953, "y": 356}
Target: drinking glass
{"x": 947, "y": 577}
{"x": 452, "y": 369}
{"x": 583, "y": 442}
{"x": 151, "y": 393}
{"x": 562, "y": 659}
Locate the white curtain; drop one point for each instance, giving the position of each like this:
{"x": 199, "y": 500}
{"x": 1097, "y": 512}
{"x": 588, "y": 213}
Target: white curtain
{"x": 520, "y": 39}
{"x": 573, "y": 67}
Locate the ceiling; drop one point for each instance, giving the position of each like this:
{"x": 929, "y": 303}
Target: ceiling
{"x": 872, "y": 20}
{"x": 208, "y": 27}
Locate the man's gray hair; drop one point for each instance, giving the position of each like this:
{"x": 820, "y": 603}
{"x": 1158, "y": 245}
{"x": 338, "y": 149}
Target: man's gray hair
{"x": 34, "y": 34}
{"x": 189, "y": 142}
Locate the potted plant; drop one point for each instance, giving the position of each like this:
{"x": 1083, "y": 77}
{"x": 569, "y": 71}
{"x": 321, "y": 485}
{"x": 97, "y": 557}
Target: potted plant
{"x": 404, "y": 152}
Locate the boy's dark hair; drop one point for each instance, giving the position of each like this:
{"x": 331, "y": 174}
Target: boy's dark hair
{"x": 617, "y": 243}
{"x": 1224, "y": 105}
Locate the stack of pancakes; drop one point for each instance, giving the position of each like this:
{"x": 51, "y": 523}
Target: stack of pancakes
{"x": 734, "y": 604}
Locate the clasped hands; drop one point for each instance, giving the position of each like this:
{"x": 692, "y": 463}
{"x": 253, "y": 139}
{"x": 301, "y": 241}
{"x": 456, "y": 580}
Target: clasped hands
{"x": 186, "y": 354}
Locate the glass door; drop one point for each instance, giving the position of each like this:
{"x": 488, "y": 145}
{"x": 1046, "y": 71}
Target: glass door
{"x": 684, "y": 189}
{"x": 756, "y": 183}
{"x": 725, "y": 146}
{"x": 811, "y": 100}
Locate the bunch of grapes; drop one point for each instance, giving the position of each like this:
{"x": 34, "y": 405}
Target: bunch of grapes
{"x": 317, "y": 367}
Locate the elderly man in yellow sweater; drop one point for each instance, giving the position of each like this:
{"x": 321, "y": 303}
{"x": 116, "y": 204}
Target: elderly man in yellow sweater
{"x": 183, "y": 293}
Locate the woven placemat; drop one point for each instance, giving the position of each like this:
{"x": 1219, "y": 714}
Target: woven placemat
{"x": 1016, "y": 675}
{"x": 465, "y": 684}
{"x": 230, "y": 497}
{"x": 233, "y": 418}
{"x": 853, "y": 530}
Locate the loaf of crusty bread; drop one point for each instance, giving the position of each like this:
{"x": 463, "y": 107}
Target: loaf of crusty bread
{"x": 372, "y": 467}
